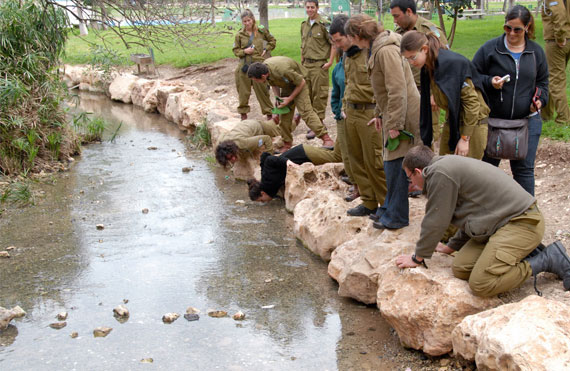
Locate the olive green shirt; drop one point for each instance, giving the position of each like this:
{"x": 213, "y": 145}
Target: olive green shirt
{"x": 473, "y": 106}
{"x": 424, "y": 26}
{"x": 358, "y": 88}
{"x": 242, "y": 41}
{"x": 315, "y": 42}
{"x": 251, "y": 135}
{"x": 556, "y": 20}
{"x": 284, "y": 72}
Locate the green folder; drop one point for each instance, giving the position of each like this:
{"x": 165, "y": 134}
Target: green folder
{"x": 392, "y": 144}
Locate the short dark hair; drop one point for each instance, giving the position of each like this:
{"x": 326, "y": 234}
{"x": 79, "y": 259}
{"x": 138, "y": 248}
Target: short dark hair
{"x": 225, "y": 148}
{"x": 256, "y": 70}
{"x": 418, "y": 157}
{"x": 254, "y": 189}
{"x": 522, "y": 13}
{"x": 312, "y": 1}
{"x": 403, "y": 5}
{"x": 337, "y": 25}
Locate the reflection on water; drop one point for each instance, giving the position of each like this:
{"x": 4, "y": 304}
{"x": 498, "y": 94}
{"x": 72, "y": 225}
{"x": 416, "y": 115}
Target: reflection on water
{"x": 195, "y": 247}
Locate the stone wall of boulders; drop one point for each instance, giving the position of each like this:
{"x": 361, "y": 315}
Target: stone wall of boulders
{"x": 430, "y": 309}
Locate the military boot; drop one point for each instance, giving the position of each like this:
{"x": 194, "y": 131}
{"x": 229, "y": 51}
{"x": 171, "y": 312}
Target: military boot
{"x": 552, "y": 259}
{"x": 327, "y": 141}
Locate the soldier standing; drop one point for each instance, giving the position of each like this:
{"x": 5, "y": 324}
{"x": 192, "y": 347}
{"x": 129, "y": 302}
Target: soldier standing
{"x": 249, "y": 47}
{"x": 556, "y": 31}
{"x": 317, "y": 57}
{"x": 404, "y": 13}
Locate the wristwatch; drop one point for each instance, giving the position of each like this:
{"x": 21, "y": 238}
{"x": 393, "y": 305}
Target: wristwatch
{"x": 465, "y": 138}
{"x": 415, "y": 260}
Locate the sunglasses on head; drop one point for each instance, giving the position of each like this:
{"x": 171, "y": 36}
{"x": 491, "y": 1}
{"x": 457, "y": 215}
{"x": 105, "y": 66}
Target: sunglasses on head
{"x": 508, "y": 28}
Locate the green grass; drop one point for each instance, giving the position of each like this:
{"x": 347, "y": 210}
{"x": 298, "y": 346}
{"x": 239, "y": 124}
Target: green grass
{"x": 470, "y": 35}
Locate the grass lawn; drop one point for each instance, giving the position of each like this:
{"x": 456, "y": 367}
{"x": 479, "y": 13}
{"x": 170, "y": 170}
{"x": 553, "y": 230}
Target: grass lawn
{"x": 470, "y": 35}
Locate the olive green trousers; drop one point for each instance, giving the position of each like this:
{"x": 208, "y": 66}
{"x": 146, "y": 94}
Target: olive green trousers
{"x": 244, "y": 85}
{"x": 317, "y": 81}
{"x": 303, "y": 104}
{"x": 557, "y": 59}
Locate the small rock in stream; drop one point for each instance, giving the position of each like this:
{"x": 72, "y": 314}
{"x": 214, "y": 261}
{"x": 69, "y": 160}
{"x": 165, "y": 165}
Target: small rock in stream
{"x": 152, "y": 148}
{"x": 58, "y": 325}
{"x": 192, "y": 316}
{"x": 7, "y": 315}
{"x": 121, "y": 311}
{"x": 147, "y": 360}
{"x": 145, "y": 211}
{"x": 240, "y": 202}
{"x": 187, "y": 169}
{"x": 4, "y": 254}
{"x": 100, "y": 227}
{"x": 101, "y": 332}
{"x": 125, "y": 301}
{"x": 268, "y": 306}
{"x": 192, "y": 310}
{"x": 170, "y": 317}
{"x": 61, "y": 316}
{"x": 239, "y": 316}
{"x": 217, "y": 313}
{"x": 10, "y": 248}
{"x": 74, "y": 335}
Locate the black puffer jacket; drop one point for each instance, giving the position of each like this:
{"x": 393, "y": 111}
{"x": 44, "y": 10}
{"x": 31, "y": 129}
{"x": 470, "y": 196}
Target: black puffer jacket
{"x": 514, "y": 99}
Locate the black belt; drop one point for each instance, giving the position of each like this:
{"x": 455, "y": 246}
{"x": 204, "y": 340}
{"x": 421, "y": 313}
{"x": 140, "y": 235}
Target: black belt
{"x": 363, "y": 106}
{"x": 308, "y": 60}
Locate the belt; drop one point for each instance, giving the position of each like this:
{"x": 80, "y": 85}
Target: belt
{"x": 309, "y": 60}
{"x": 363, "y": 106}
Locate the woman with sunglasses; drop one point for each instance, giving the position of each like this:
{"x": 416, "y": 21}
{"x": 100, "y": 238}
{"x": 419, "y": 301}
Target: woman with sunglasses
{"x": 453, "y": 83}
{"x": 515, "y": 54}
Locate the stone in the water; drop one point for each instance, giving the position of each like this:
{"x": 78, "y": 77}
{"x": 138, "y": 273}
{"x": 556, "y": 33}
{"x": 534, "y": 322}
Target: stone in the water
{"x": 121, "y": 311}
{"x": 238, "y": 316}
{"x": 145, "y": 211}
{"x": 101, "y": 332}
{"x": 74, "y": 335}
{"x": 125, "y": 301}
{"x": 147, "y": 360}
{"x": 170, "y": 317}
{"x": 58, "y": 325}
{"x": 192, "y": 310}
{"x": 240, "y": 202}
{"x": 187, "y": 169}
{"x": 100, "y": 227}
{"x": 217, "y": 313}
{"x": 4, "y": 254}
{"x": 152, "y": 148}
{"x": 62, "y": 316}
{"x": 192, "y": 316}
{"x": 10, "y": 248}
{"x": 7, "y": 315}
{"x": 268, "y": 306}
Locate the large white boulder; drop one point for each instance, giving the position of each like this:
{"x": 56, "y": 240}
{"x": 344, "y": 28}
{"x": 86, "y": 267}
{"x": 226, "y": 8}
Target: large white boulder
{"x": 7, "y": 315}
{"x": 533, "y": 334}
{"x": 163, "y": 91}
{"x": 140, "y": 89}
{"x": 121, "y": 88}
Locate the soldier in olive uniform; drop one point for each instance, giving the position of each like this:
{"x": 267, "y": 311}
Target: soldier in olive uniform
{"x": 556, "y": 23}
{"x": 404, "y": 13}
{"x": 316, "y": 56}
{"x": 249, "y": 47}
{"x": 288, "y": 79}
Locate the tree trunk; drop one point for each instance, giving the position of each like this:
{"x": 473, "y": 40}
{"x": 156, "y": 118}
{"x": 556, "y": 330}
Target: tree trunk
{"x": 263, "y": 13}
{"x": 505, "y": 5}
{"x": 360, "y": 6}
{"x": 213, "y": 12}
{"x": 82, "y": 25}
{"x": 453, "y": 27}
{"x": 440, "y": 15}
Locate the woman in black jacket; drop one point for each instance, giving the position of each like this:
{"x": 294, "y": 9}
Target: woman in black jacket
{"x": 515, "y": 54}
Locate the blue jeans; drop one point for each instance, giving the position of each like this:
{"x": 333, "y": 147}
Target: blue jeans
{"x": 394, "y": 212}
{"x": 523, "y": 170}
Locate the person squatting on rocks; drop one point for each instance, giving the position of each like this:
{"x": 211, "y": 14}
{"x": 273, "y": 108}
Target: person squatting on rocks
{"x": 556, "y": 32}
{"x": 404, "y": 13}
{"x": 246, "y": 139}
{"x": 274, "y": 168}
{"x": 499, "y": 224}
{"x": 513, "y": 99}
{"x": 342, "y": 44}
{"x": 397, "y": 112}
{"x": 249, "y": 48}
{"x": 456, "y": 88}
{"x": 287, "y": 77}
{"x": 364, "y": 143}
{"x": 317, "y": 57}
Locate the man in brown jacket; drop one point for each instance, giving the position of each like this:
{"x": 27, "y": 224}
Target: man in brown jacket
{"x": 556, "y": 23}
{"x": 499, "y": 224}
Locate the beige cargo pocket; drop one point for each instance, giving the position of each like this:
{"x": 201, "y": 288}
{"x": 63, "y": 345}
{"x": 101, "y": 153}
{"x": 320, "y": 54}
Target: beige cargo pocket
{"x": 378, "y": 159}
{"x": 504, "y": 262}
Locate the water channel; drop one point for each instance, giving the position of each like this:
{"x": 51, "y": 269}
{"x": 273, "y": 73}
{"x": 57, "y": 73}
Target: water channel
{"x": 195, "y": 247}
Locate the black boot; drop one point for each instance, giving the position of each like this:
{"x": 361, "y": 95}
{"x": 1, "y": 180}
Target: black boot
{"x": 536, "y": 251}
{"x": 552, "y": 259}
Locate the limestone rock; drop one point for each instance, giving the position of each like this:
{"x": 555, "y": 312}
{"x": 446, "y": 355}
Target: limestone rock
{"x": 321, "y": 222}
{"x": 121, "y": 311}
{"x": 74, "y": 335}
{"x": 239, "y": 316}
{"x": 100, "y": 227}
{"x": 4, "y": 254}
{"x": 61, "y": 316}
{"x": 140, "y": 89}
{"x": 192, "y": 310}
{"x": 217, "y": 313}
{"x": 306, "y": 180}
{"x": 58, "y": 325}
{"x": 163, "y": 91}
{"x": 121, "y": 88}
{"x": 7, "y": 315}
{"x": 533, "y": 334}
{"x": 101, "y": 332}
{"x": 72, "y": 75}
{"x": 170, "y": 317}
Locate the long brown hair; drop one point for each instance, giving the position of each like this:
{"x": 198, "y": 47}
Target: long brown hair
{"x": 363, "y": 26}
{"x": 249, "y": 14}
{"x": 414, "y": 40}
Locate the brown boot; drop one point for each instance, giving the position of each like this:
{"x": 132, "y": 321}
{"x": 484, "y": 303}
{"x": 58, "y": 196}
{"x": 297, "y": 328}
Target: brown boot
{"x": 244, "y": 116}
{"x": 327, "y": 141}
{"x": 285, "y": 148}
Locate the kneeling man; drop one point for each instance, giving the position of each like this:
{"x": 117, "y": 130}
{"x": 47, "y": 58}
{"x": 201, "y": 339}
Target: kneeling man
{"x": 499, "y": 223}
